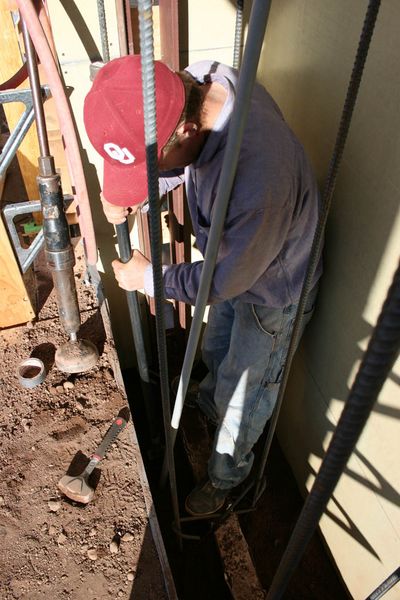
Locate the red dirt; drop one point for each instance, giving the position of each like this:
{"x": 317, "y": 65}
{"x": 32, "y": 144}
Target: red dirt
{"x": 53, "y": 547}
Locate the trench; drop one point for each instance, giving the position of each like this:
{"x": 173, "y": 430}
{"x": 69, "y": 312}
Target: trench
{"x": 198, "y": 570}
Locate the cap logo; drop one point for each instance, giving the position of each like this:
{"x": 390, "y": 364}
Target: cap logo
{"x": 121, "y": 154}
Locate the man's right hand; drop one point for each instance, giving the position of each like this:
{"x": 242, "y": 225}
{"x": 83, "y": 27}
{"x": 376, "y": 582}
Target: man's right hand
{"x": 115, "y": 214}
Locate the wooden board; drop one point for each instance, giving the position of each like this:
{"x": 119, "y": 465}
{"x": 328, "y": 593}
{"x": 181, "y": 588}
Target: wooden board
{"x": 15, "y": 306}
{"x": 11, "y": 61}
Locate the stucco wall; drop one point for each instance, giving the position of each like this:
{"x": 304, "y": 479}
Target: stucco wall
{"x": 306, "y": 64}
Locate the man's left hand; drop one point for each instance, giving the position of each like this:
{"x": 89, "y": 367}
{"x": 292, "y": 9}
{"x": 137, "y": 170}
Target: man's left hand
{"x": 130, "y": 275}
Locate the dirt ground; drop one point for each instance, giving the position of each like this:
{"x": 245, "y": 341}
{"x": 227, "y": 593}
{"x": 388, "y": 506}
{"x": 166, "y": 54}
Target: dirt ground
{"x": 54, "y": 547}
{"x": 268, "y": 530}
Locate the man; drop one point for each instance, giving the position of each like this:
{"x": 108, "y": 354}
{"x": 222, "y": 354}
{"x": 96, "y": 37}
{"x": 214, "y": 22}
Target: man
{"x": 264, "y": 250}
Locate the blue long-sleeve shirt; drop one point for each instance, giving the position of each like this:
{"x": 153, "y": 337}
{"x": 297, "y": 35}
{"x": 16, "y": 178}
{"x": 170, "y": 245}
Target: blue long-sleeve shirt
{"x": 272, "y": 212}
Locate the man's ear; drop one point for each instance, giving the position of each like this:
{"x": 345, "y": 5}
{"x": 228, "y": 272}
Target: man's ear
{"x": 187, "y": 129}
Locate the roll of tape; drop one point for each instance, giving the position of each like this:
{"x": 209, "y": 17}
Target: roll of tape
{"x": 31, "y": 372}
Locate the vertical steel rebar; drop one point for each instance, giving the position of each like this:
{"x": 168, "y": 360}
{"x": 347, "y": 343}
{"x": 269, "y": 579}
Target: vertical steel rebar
{"x": 237, "y": 48}
{"x": 105, "y": 51}
{"x": 327, "y": 195}
{"x": 385, "y": 586}
{"x": 150, "y": 128}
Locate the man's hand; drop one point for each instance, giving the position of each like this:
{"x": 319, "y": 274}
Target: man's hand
{"x": 130, "y": 275}
{"x": 116, "y": 214}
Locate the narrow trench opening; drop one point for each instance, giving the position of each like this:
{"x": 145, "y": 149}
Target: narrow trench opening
{"x": 197, "y": 570}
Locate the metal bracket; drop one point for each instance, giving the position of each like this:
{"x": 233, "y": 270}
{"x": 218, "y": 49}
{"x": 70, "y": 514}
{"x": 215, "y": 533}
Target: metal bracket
{"x": 26, "y": 256}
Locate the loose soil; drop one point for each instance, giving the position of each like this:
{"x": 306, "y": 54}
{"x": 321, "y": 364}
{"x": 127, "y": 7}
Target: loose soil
{"x": 54, "y": 547}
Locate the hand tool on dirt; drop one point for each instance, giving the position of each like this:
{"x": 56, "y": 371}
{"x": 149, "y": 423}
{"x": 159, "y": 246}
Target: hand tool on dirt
{"x": 76, "y": 355}
{"x": 78, "y": 487}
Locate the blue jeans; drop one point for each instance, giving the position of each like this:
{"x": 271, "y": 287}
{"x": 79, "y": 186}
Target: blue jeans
{"x": 244, "y": 348}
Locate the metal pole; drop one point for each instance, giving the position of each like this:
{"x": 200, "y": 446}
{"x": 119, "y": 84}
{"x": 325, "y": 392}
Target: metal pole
{"x": 327, "y": 196}
{"x": 125, "y": 254}
{"x": 150, "y": 130}
{"x": 255, "y": 38}
{"x": 36, "y": 93}
{"x": 385, "y": 586}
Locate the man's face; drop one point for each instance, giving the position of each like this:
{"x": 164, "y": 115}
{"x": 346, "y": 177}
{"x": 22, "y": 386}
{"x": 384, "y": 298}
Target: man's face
{"x": 174, "y": 157}
{"x": 186, "y": 149}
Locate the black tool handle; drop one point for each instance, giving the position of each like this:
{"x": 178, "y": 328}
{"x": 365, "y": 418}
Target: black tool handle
{"x": 118, "y": 425}
{"x": 125, "y": 254}
{"x": 124, "y": 242}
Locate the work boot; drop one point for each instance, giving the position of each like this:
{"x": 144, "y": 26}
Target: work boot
{"x": 205, "y": 499}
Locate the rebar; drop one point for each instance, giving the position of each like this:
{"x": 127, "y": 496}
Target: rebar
{"x": 150, "y": 131}
{"x": 327, "y": 195}
{"x": 385, "y": 586}
{"x": 237, "y": 48}
{"x": 105, "y": 52}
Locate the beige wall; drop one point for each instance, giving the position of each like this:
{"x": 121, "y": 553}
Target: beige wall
{"x": 306, "y": 64}
{"x": 207, "y": 31}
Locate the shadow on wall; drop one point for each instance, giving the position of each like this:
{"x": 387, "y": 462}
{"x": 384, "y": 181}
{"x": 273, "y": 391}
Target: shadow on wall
{"x": 313, "y": 426}
{"x": 308, "y": 78}
{"x": 356, "y": 241}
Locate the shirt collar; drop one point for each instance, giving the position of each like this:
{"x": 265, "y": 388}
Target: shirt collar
{"x": 217, "y": 136}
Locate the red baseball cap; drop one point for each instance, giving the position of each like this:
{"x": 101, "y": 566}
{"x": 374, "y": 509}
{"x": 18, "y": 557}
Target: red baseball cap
{"x": 113, "y": 117}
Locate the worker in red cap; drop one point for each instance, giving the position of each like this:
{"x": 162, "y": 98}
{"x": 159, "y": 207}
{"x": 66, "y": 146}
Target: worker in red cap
{"x": 264, "y": 249}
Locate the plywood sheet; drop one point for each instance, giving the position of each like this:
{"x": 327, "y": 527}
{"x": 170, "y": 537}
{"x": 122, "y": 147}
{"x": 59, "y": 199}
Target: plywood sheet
{"x": 15, "y": 306}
